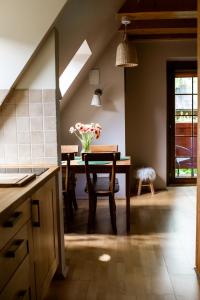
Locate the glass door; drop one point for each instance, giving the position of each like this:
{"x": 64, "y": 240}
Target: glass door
{"x": 182, "y": 123}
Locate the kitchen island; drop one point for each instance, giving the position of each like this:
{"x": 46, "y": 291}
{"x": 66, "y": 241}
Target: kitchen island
{"x": 29, "y": 237}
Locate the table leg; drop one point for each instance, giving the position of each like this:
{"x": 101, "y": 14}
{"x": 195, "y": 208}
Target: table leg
{"x": 128, "y": 200}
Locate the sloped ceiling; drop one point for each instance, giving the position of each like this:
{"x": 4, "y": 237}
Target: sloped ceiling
{"x": 23, "y": 24}
{"x": 94, "y": 21}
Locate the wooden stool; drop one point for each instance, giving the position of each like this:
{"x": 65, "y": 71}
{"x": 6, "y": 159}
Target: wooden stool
{"x": 146, "y": 176}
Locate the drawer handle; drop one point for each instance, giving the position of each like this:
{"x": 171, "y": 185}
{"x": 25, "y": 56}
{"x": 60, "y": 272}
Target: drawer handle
{"x": 22, "y": 295}
{"x": 13, "y": 219}
{"x": 14, "y": 248}
{"x": 36, "y": 213}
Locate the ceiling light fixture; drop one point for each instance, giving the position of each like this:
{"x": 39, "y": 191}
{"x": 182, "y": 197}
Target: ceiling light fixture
{"x": 96, "y": 99}
{"x": 126, "y": 55}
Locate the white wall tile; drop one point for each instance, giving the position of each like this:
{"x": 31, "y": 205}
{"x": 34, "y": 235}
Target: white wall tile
{"x": 49, "y": 123}
{"x": 36, "y": 123}
{"x": 50, "y": 150}
{"x": 8, "y": 110}
{"x": 11, "y": 153}
{"x": 23, "y": 137}
{"x": 35, "y": 109}
{"x": 37, "y": 137}
{"x": 50, "y": 136}
{"x": 49, "y": 109}
{"x": 24, "y": 151}
{"x": 10, "y": 137}
{"x": 23, "y": 124}
{"x": 28, "y": 128}
{"x": 35, "y": 96}
{"x": 9, "y": 123}
{"x": 37, "y": 150}
{"x": 22, "y": 109}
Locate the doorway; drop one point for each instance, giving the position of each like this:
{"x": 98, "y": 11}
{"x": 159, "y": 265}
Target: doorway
{"x": 182, "y": 107}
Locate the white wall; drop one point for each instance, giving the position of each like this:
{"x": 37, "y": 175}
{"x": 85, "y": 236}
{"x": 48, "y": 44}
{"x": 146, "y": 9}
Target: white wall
{"x": 41, "y": 74}
{"x": 110, "y": 115}
{"x": 146, "y": 102}
{"x": 23, "y": 24}
{"x": 92, "y": 20}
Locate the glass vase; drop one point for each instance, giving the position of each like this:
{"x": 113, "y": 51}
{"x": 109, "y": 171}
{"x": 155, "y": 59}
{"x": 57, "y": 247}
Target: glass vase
{"x": 85, "y": 147}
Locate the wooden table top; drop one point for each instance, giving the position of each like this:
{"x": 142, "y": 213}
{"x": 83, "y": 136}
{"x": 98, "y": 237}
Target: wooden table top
{"x": 78, "y": 162}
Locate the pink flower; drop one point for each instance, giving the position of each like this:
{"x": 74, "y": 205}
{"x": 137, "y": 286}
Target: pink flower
{"x": 78, "y": 126}
{"x": 72, "y": 129}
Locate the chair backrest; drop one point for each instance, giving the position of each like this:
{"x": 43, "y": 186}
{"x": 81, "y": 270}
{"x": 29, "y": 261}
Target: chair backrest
{"x": 103, "y": 148}
{"x": 90, "y": 168}
{"x": 66, "y": 149}
{"x": 68, "y": 157}
{"x": 69, "y": 148}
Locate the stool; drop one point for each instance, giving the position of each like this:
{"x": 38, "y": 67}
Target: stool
{"x": 146, "y": 177}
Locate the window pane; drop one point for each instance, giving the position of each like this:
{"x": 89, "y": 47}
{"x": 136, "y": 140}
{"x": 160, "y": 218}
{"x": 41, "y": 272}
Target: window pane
{"x": 183, "y": 85}
{"x": 183, "y": 146}
{"x": 195, "y": 104}
{"x": 183, "y": 104}
{"x": 195, "y": 85}
{"x": 183, "y": 128}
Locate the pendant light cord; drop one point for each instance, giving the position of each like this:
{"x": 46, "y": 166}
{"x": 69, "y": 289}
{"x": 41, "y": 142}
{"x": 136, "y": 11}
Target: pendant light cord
{"x": 125, "y": 32}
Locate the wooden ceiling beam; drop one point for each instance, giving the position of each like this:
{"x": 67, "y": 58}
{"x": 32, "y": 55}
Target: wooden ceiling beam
{"x": 162, "y": 36}
{"x": 162, "y": 27}
{"x": 159, "y": 9}
{"x": 173, "y": 23}
{"x": 159, "y": 15}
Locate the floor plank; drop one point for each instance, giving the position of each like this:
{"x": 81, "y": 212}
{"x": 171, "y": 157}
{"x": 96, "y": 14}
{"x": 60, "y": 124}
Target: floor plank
{"x": 155, "y": 262}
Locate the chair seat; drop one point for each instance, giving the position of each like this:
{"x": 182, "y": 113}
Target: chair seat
{"x": 101, "y": 186}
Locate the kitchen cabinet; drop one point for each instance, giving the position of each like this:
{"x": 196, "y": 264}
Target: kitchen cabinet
{"x": 45, "y": 238}
{"x": 29, "y": 244}
{"x": 16, "y": 249}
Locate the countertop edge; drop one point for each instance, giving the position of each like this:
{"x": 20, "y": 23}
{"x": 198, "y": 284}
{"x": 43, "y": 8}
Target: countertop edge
{"x": 14, "y": 196}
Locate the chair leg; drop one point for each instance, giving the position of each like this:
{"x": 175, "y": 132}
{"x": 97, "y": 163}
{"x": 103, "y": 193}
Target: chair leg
{"x": 139, "y": 187}
{"x": 74, "y": 202}
{"x": 73, "y": 186}
{"x": 152, "y": 188}
{"x": 91, "y": 215}
{"x": 68, "y": 211}
{"x": 113, "y": 213}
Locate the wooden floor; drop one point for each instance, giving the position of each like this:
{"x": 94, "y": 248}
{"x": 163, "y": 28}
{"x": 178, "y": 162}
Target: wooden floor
{"x": 155, "y": 262}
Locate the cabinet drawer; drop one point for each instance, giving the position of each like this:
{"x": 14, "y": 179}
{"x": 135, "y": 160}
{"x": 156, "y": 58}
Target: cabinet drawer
{"x": 14, "y": 221}
{"x": 13, "y": 254}
{"x": 18, "y": 287}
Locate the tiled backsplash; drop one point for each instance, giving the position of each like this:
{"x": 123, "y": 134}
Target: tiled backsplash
{"x": 28, "y": 127}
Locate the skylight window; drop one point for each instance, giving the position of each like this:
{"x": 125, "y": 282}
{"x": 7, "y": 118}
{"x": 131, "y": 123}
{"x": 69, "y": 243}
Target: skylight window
{"x": 74, "y": 67}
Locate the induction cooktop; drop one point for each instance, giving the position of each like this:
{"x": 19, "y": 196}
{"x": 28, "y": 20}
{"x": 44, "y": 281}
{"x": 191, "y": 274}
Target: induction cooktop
{"x": 36, "y": 171}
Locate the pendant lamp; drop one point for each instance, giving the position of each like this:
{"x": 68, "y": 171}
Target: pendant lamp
{"x": 126, "y": 55}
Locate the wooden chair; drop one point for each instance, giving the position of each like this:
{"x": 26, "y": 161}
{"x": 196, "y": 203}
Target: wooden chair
{"x": 69, "y": 182}
{"x": 101, "y": 188}
{"x": 103, "y": 148}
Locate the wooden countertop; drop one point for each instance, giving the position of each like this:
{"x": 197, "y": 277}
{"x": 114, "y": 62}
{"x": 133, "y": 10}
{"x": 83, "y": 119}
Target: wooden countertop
{"x": 11, "y": 197}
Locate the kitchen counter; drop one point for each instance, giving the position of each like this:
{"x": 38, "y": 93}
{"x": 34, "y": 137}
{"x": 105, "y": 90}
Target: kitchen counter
{"x": 11, "y": 197}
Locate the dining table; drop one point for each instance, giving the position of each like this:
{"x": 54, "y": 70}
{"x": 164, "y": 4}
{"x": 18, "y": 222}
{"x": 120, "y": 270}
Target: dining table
{"x": 123, "y": 166}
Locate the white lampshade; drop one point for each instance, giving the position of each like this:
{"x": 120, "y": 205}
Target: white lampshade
{"x": 96, "y": 100}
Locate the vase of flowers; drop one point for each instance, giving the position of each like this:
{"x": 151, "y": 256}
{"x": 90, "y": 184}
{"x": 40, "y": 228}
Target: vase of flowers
{"x": 86, "y": 133}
